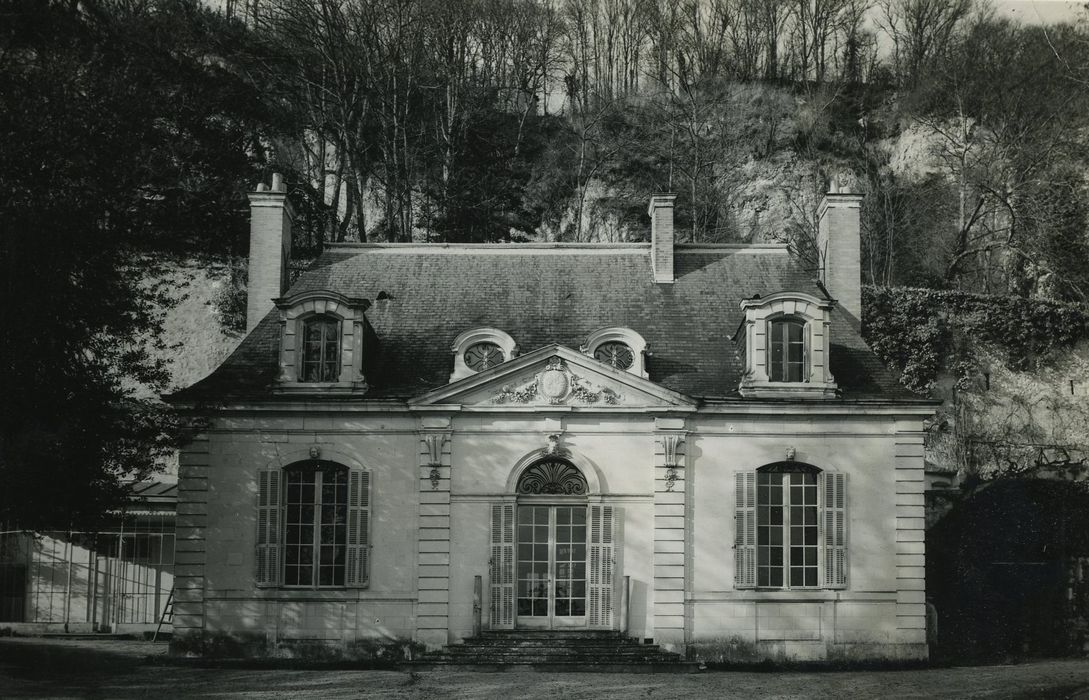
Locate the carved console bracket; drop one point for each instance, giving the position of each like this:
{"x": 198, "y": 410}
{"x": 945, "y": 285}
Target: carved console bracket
{"x": 672, "y": 458}
{"x": 433, "y": 443}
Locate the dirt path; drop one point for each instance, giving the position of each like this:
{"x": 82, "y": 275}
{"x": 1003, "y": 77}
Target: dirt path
{"x": 117, "y": 669}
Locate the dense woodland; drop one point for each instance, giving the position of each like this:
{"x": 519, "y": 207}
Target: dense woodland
{"x": 130, "y": 131}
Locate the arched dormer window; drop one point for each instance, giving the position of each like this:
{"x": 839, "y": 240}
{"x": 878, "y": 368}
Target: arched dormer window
{"x": 324, "y": 341}
{"x": 481, "y": 349}
{"x": 784, "y": 342}
{"x": 621, "y": 348}
{"x": 321, "y": 349}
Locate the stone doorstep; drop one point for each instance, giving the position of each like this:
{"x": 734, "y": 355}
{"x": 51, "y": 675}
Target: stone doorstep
{"x": 554, "y": 650}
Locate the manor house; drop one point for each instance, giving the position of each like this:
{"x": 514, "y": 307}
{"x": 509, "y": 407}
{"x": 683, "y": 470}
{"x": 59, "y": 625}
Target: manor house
{"x": 689, "y": 444}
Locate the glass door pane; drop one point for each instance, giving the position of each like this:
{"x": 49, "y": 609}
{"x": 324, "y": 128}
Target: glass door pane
{"x": 533, "y": 561}
{"x": 569, "y": 592}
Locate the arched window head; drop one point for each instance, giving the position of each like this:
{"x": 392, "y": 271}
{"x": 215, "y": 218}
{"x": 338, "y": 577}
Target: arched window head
{"x": 552, "y": 476}
{"x": 321, "y": 349}
{"x": 786, "y": 362}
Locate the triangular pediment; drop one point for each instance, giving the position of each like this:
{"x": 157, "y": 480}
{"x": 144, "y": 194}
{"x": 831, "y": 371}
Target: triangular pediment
{"x": 554, "y": 376}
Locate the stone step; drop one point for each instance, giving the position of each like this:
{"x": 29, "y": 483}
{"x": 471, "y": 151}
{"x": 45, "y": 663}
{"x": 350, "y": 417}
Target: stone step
{"x": 554, "y": 650}
{"x": 533, "y": 644}
{"x": 574, "y": 653}
{"x": 580, "y": 667}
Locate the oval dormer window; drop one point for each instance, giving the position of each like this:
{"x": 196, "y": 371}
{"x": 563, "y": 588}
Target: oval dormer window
{"x": 615, "y": 353}
{"x": 482, "y": 356}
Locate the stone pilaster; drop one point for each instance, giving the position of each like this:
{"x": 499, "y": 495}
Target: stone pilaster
{"x": 433, "y": 550}
{"x": 670, "y": 468}
{"x": 189, "y": 547}
{"x": 910, "y": 535}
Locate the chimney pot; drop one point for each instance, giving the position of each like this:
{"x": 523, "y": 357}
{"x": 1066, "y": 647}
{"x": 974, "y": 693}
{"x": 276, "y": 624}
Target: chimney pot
{"x": 277, "y": 182}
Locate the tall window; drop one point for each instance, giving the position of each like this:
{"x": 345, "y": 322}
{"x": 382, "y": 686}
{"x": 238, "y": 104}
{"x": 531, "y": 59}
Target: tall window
{"x": 321, "y": 350}
{"x": 786, "y": 526}
{"x": 787, "y": 360}
{"x": 316, "y": 524}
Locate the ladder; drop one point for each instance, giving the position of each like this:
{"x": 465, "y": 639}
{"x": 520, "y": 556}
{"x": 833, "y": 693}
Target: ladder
{"x": 167, "y": 616}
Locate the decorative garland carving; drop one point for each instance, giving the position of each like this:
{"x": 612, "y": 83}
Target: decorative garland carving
{"x": 671, "y": 478}
{"x": 557, "y": 384}
{"x": 434, "y": 476}
{"x": 552, "y": 476}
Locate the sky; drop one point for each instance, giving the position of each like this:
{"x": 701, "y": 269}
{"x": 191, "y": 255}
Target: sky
{"x": 1039, "y": 11}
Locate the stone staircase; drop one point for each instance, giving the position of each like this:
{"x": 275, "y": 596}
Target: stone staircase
{"x": 556, "y": 650}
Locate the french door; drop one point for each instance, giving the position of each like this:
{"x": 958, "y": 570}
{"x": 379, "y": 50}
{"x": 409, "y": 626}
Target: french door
{"x": 550, "y": 573}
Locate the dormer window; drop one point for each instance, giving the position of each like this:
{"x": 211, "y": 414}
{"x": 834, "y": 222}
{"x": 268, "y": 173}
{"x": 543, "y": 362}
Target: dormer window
{"x": 784, "y": 343}
{"x": 324, "y": 337}
{"x": 621, "y": 348}
{"x": 481, "y": 349}
{"x": 615, "y": 353}
{"x": 321, "y": 349}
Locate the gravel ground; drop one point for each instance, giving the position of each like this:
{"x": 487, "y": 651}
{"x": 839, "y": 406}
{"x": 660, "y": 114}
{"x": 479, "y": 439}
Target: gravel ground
{"x": 80, "y": 668}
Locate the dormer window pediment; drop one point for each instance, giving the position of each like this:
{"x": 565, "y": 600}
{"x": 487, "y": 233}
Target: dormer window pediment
{"x": 784, "y": 341}
{"x": 323, "y": 339}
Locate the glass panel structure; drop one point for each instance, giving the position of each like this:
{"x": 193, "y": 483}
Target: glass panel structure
{"x": 316, "y": 525}
{"x": 786, "y": 528}
{"x": 321, "y": 350}
{"x": 787, "y": 359}
{"x": 551, "y": 571}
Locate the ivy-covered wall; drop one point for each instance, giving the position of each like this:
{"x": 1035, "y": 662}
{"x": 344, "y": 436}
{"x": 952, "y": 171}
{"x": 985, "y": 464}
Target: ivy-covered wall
{"x": 926, "y": 332}
{"x": 1013, "y": 375}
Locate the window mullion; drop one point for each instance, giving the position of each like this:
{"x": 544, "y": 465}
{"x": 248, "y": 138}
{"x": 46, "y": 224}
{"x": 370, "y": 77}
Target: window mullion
{"x": 316, "y": 558}
{"x": 786, "y": 530}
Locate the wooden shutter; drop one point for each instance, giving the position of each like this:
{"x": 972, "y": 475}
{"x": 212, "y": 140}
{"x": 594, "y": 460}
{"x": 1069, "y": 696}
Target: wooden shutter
{"x": 268, "y": 527}
{"x": 501, "y": 566}
{"x": 835, "y": 530}
{"x": 603, "y": 528}
{"x": 745, "y": 529}
{"x": 359, "y": 521}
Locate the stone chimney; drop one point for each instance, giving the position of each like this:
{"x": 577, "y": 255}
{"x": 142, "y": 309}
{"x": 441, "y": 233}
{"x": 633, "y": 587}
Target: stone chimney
{"x": 661, "y": 236}
{"x": 838, "y": 244}
{"x": 270, "y": 248}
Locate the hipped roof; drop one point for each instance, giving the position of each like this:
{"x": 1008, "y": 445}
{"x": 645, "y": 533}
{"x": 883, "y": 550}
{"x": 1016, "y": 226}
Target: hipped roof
{"x": 550, "y": 294}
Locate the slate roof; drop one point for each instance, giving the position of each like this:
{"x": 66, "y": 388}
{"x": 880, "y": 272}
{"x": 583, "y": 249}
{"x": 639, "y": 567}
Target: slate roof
{"x": 550, "y": 295}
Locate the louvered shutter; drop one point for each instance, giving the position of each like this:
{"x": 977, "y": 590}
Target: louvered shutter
{"x": 835, "y": 530}
{"x": 745, "y": 529}
{"x": 501, "y": 566}
{"x": 603, "y": 528}
{"x": 268, "y": 527}
{"x": 359, "y": 521}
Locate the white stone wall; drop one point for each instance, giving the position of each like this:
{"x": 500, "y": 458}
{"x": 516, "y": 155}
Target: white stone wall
{"x": 429, "y": 540}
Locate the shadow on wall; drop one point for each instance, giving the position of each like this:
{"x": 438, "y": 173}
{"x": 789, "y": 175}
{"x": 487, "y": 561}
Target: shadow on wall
{"x": 1008, "y": 572}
